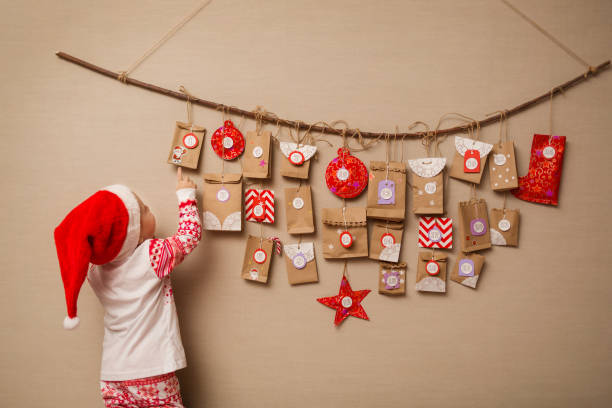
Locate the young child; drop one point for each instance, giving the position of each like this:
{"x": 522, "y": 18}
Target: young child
{"x": 109, "y": 238}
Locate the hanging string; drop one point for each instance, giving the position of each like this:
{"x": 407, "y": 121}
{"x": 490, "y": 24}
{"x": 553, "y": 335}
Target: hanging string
{"x": 550, "y": 116}
{"x": 345, "y": 271}
{"x": 189, "y": 106}
{"x": 123, "y": 75}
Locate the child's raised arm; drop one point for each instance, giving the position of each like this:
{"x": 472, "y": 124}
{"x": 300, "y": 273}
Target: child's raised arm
{"x": 165, "y": 254}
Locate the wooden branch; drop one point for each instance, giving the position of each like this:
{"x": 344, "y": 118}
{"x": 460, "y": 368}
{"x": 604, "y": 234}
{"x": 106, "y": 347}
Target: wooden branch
{"x": 289, "y": 123}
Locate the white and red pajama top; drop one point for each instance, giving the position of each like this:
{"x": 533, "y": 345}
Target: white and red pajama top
{"x": 141, "y": 331}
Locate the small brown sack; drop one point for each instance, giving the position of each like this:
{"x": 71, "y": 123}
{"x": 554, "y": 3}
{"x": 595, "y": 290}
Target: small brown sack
{"x": 334, "y": 227}
{"x": 296, "y": 160}
{"x": 462, "y": 146}
{"x": 428, "y": 185}
{"x": 431, "y": 272}
{"x": 298, "y": 210}
{"x": 387, "y": 191}
{"x": 222, "y": 202}
{"x": 467, "y": 269}
{"x": 502, "y": 169}
{"x": 256, "y": 159}
{"x": 474, "y": 225}
{"x": 301, "y": 264}
{"x": 257, "y": 263}
{"x": 386, "y": 241}
{"x": 185, "y": 150}
{"x": 392, "y": 278}
{"x": 504, "y": 226}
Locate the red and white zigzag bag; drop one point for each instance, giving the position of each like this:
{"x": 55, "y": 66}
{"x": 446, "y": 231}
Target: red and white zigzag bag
{"x": 435, "y": 232}
{"x": 259, "y": 205}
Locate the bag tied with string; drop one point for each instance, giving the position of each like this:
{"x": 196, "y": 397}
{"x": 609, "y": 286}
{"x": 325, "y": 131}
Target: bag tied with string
{"x": 345, "y": 233}
{"x": 256, "y": 160}
{"x": 431, "y": 272}
{"x": 392, "y": 278}
{"x": 467, "y": 269}
{"x": 222, "y": 202}
{"x": 504, "y": 226}
{"x": 474, "y": 225}
{"x": 297, "y": 155}
{"x": 470, "y": 157}
{"x": 300, "y": 262}
{"x": 298, "y": 210}
{"x": 187, "y": 140}
{"x": 502, "y": 169}
{"x": 257, "y": 257}
{"x": 386, "y": 241}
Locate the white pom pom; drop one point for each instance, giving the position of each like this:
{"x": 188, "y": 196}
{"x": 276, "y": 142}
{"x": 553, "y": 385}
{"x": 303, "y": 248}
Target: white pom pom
{"x": 70, "y": 324}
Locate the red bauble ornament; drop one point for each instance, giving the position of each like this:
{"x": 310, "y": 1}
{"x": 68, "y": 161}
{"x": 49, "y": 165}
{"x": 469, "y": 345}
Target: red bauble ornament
{"x": 346, "y": 302}
{"x": 227, "y": 141}
{"x": 346, "y": 175}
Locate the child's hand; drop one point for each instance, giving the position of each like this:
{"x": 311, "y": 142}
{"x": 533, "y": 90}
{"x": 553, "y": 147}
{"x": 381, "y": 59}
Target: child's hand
{"x": 183, "y": 182}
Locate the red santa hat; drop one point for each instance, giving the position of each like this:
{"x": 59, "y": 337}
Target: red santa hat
{"x": 104, "y": 228}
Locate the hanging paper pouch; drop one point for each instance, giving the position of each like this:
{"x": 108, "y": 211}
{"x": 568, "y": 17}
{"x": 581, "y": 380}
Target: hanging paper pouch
{"x": 256, "y": 160}
{"x": 296, "y": 163}
{"x": 427, "y": 185}
{"x": 222, "y": 202}
{"x": 474, "y": 225}
{"x": 387, "y": 191}
{"x": 186, "y": 145}
{"x": 257, "y": 258}
{"x": 470, "y": 159}
{"x": 345, "y": 233}
{"x": 301, "y": 264}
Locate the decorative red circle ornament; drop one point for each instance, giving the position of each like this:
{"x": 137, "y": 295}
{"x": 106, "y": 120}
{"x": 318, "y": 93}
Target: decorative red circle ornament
{"x": 227, "y": 141}
{"x": 346, "y": 175}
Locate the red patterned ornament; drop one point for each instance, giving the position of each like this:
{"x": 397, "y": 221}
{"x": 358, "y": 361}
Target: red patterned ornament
{"x": 346, "y": 175}
{"x": 227, "y": 141}
{"x": 347, "y": 302}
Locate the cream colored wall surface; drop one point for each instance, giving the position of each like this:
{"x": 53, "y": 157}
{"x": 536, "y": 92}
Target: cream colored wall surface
{"x": 537, "y": 330}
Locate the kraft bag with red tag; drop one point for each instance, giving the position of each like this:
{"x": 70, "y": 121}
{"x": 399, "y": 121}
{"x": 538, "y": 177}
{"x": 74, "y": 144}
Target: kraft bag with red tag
{"x": 467, "y": 269}
{"x": 392, "y": 278}
{"x": 474, "y": 225}
{"x": 222, "y": 202}
{"x": 301, "y": 264}
{"x": 431, "y": 272}
{"x": 470, "y": 159}
{"x": 428, "y": 185}
{"x": 298, "y": 210}
{"x": 386, "y": 241}
{"x": 256, "y": 160}
{"x": 504, "y": 226}
{"x": 257, "y": 258}
{"x": 345, "y": 233}
{"x": 387, "y": 191}
{"x": 296, "y": 160}
{"x": 186, "y": 145}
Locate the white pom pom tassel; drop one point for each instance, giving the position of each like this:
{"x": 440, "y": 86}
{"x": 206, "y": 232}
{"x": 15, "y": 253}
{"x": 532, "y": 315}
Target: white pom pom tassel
{"x": 70, "y": 324}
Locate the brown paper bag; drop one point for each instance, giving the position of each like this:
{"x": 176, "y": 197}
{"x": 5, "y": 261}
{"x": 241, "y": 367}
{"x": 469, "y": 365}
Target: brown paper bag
{"x": 387, "y": 191}
{"x": 428, "y": 185}
{"x": 257, "y": 258}
{"x": 431, "y": 272}
{"x": 502, "y": 169}
{"x": 467, "y": 269}
{"x": 298, "y": 210}
{"x": 296, "y": 160}
{"x": 222, "y": 202}
{"x": 462, "y": 146}
{"x": 474, "y": 225}
{"x": 392, "y": 278}
{"x": 256, "y": 159}
{"x": 301, "y": 264}
{"x": 186, "y": 145}
{"x": 386, "y": 241}
{"x": 339, "y": 229}
{"x": 504, "y": 226}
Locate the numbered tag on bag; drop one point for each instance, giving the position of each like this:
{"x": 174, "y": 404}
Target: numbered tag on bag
{"x": 386, "y": 192}
{"x": 471, "y": 162}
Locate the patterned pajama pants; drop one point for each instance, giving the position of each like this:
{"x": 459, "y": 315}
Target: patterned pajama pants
{"x": 161, "y": 391}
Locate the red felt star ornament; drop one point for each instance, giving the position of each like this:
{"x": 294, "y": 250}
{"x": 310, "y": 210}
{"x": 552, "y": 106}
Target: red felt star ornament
{"x": 347, "y": 302}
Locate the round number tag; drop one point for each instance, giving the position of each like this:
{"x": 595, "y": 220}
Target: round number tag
{"x": 434, "y": 235}
{"x": 257, "y": 152}
{"x": 347, "y": 302}
{"x": 504, "y": 225}
{"x": 223, "y": 195}
{"x": 258, "y": 210}
{"x": 549, "y": 152}
{"x": 499, "y": 159}
{"x": 298, "y": 203}
{"x": 346, "y": 239}
{"x": 431, "y": 187}
{"x": 299, "y": 261}
{"x": 387, "y": 240}
{"x": 478, "y": 226}
{"x": 260, "y": 256}
{"x": 386, "y": 193}
{"x": 432, "y": 268}
{"x": 254, "y": 274}
{"x": 228, "y": 142}
{"x": 342, "y": 174}
{"x": 471, "y": 163}
{"x": 190, "y": 141}
{"x": 296, "y": 158}
{"x": 392, "y": 280}
{"x": 466, "y": 267}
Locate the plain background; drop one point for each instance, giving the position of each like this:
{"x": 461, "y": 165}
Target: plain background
{"x": 537, "y": 330}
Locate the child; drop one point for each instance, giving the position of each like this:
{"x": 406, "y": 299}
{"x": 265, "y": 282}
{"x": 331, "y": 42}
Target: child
{"x": 111, "y": 235}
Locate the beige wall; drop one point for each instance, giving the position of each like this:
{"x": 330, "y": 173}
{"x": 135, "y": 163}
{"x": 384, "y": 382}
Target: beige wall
{"x": 536, "y": 332}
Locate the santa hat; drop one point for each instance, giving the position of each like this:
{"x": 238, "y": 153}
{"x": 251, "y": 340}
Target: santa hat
{"x": 104, "y": 228}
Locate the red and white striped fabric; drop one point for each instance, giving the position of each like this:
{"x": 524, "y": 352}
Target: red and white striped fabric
{"x": 435, "y": 232}
{"x": 259, "y": 205}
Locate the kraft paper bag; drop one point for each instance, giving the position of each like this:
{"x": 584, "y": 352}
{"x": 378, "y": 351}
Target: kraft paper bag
{"x": 474, "y": 225}
{"x": 298, "y": 210}
{"x": 386, "y": 241}
{"x": 470, "y": 155}
{"x": 301, "y": 264}
{"x": 504, "y": 226}
{"x": 387, "y": 191}
{"x": 222, "y": 202}
{"x": 431, "y": 272}
{"x": 345, "y": 233}
{"x": 392, "y": 278}
{"x": 296, "y": 160}
{"x": 256, "y": 159}
{"x": 428, "y": 185}
{"x": 257, "y": 258}
{"x": 186, "y": 145}
{"x": 467, "y": 269}
{"x": 502, "y": 169}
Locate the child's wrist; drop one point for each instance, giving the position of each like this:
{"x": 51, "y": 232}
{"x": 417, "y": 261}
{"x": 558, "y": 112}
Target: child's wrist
{"x": 185, "y": 194}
